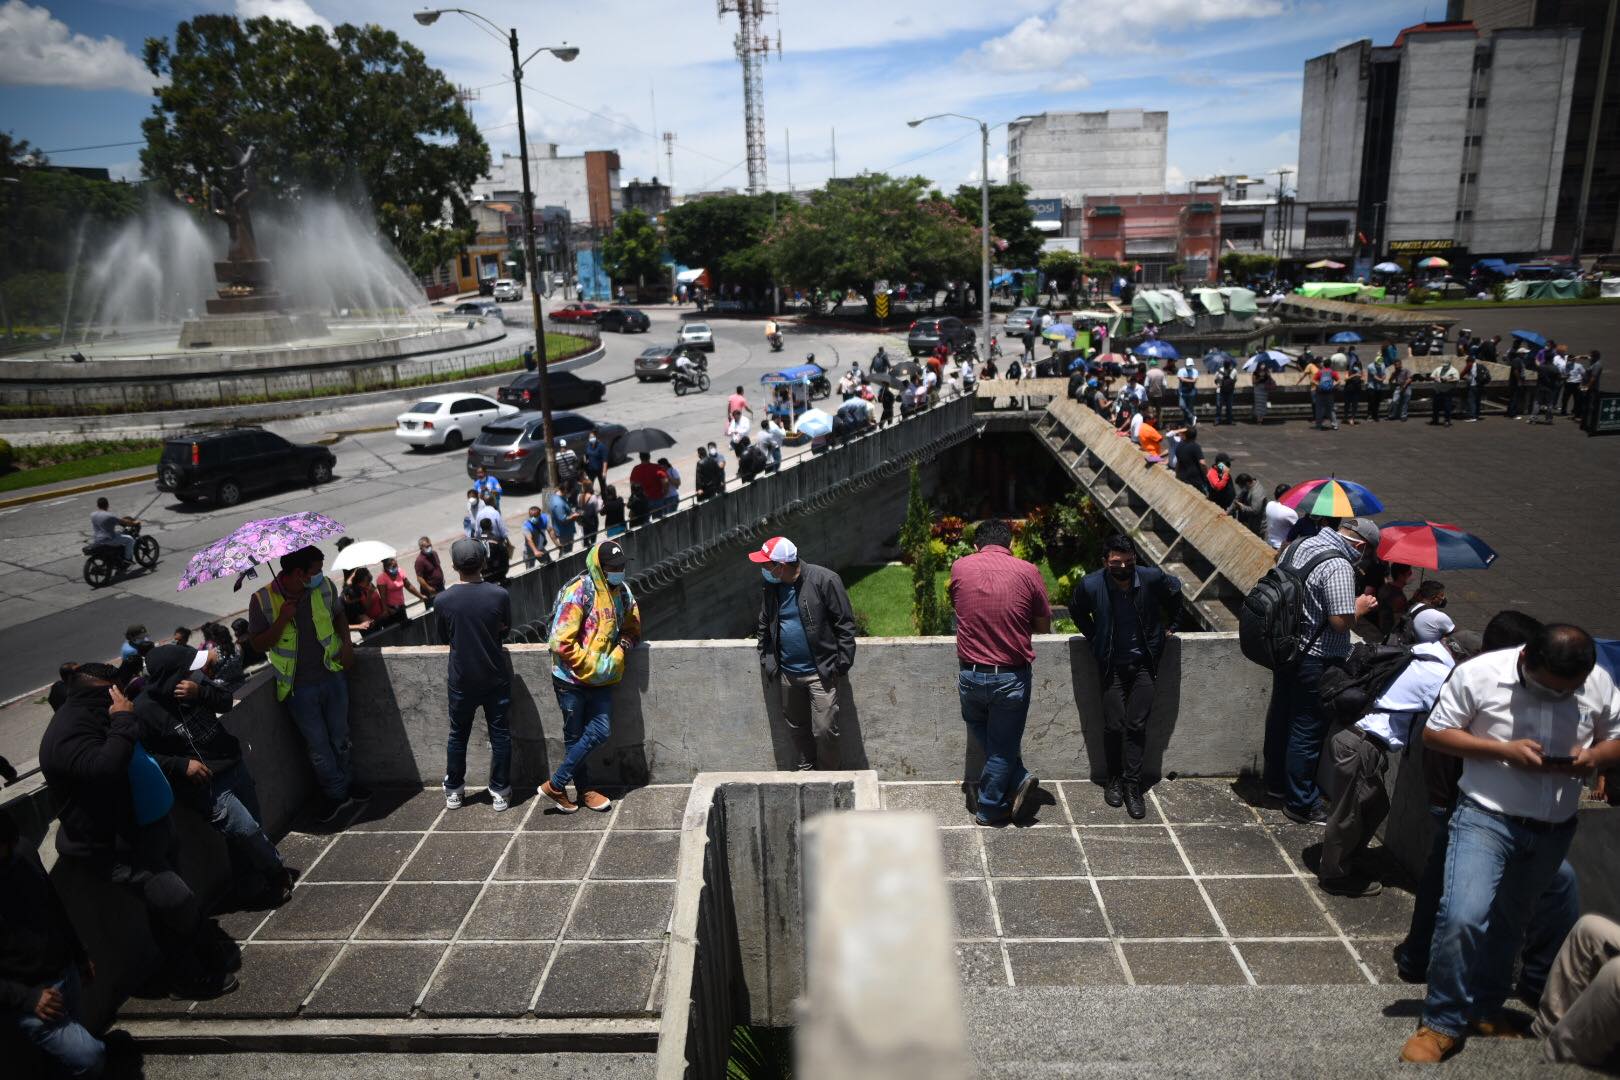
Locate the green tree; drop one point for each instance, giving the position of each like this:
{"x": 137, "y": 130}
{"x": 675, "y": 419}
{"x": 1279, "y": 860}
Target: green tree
{"x": 919, "y": 524}
{"x": 1012, "y": 222}
{"x": 358, "y": 115}
{"x": 1245, "y": 265}
{"x": 1063, "y": 267}
{"x": 723, "y": 234}
{"x": 632, "y": 251}
{"x": 927, "y": 615}
{"x": 872, "y": 227}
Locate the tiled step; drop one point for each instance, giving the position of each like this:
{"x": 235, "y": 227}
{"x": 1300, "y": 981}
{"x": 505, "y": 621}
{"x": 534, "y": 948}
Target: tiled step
{"x": 1202, "y": 1031}
{"x": 400, "y": 1066}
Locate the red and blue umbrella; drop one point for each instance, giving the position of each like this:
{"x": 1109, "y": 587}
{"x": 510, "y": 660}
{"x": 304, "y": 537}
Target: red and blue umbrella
{"x": 1331, "y": 498}
{"x": 1433, "y": 545}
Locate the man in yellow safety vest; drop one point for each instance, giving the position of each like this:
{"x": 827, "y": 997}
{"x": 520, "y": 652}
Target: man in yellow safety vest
{"x": 297, "y": 621}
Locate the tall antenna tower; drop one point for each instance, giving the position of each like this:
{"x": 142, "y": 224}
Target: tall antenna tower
{"x": 669, "y": 155}
{"x": 753, "y": 45}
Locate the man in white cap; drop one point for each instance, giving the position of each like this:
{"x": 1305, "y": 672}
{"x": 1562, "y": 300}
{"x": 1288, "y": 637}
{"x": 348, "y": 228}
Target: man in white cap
{"x": 806, "y": 645}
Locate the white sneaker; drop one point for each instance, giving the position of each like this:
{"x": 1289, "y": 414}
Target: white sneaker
{"x": 500, "y": 799}
{"x": 453, "y": 797}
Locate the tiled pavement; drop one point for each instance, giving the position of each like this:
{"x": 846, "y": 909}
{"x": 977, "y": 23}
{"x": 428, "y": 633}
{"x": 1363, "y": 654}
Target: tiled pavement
{"x": 1207, "y": 889}
{"x": 414, "y": 910}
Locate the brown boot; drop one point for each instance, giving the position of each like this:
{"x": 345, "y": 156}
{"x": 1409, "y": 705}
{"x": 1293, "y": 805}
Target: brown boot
{"x": 1506, "y": 1024}
{"x": 564, "y": 803}
{"x": 595, "y": 800}
{"x": 1428, "y": 1047}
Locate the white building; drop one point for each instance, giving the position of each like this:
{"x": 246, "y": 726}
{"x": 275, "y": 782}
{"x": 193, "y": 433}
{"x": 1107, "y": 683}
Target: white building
{"x": 1448, "y": 141}
{"x": 586, "y": 185}
{"x": 1069, "y": 155}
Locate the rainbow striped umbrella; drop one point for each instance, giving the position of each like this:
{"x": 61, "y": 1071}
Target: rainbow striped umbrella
{"x": 1331, "y": 498}
{"x": 1433, "y": 545}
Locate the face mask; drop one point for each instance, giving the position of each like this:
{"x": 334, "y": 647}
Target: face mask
{"x": 766, "y": 574}
{"x": 1541, "y": 690}
{"x": 315, "y": 581}
{"x": 615, "y": 577}
{"x": 392, "y": 571}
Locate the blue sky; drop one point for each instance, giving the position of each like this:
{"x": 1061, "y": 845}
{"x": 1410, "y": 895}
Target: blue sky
{"x": 1228, "y": 71}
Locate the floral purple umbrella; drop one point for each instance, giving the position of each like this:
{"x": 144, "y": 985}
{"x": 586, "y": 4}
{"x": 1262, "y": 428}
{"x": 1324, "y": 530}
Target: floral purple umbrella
{"x": 257, "y": 542}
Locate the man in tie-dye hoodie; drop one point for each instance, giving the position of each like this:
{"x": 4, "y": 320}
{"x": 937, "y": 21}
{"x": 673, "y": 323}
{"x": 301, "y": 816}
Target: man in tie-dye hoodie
{"x": 594, "y": 624}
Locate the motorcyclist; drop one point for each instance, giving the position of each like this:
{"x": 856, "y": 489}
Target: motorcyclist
{"x": 684, "y": 368}
{"x": 104, "y": 530}
{"x": 770, "y": 330}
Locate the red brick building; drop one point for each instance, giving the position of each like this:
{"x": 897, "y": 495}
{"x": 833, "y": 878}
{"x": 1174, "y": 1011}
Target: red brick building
{"x": 1155, "y": 232}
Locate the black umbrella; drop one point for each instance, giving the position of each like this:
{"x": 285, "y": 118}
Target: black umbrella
{"x": 882, "y": 378}
{"x": 905, "y": 369}
{"x": 649, "y": 439}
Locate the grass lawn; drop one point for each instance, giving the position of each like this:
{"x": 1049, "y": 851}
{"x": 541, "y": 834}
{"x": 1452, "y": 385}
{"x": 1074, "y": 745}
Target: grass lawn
{"x": 882, "y": 596}
{"x": 79, "y": 468}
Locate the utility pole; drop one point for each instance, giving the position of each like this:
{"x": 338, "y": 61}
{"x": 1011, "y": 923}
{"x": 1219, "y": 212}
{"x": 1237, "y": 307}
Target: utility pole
{"x": 835, "y": 152}
{"x": 787, "y": 141}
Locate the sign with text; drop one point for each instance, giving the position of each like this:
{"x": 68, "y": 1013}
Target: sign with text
{"x": 1419, "y": 247}
{"x": 1046, "y": 209}
{"x": 1607, "y": 415}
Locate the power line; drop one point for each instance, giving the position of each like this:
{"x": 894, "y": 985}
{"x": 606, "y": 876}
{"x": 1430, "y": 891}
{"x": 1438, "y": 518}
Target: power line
{"x": 621, "y": 124}
{"x": 98, "y": 146}
{"x": 926, "y": 153}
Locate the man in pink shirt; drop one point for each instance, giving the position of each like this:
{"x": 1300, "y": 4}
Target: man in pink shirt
{"x": 737, "y": 403}
{"x": 1000, "y": 601}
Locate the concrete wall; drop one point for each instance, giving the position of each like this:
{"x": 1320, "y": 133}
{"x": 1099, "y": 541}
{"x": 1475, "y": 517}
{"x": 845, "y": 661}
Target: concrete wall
{"x": 556, "y": 181}
{"x": 1070, "y": 155}
{"x": 1332, "y": 124}
{"x": 1431, "y": 122}
{"x": 1521, "y": 156}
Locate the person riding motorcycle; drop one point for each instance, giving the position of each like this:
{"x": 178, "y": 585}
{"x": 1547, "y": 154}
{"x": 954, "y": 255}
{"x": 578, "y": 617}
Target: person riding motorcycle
{"x": 773, "y": 335}
{"x": 104, "y": 527}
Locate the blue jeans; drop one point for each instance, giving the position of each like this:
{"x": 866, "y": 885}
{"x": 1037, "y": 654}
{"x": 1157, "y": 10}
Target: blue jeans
{"x": 776, "y": 457}
{"x": 495, "y": 700}
{"x": 69, "y": 1046}
{"x": 1496, "y": 869}
{"x": 1295, "y": 730}
{"x": 587, "y": 723}
{"x": 1188, "y": 399}
{"x": 994, "y": 707}
{"x": 235, "y": 813}
{"x": 1474, "y": 395}
{"x": 321, "y": 711}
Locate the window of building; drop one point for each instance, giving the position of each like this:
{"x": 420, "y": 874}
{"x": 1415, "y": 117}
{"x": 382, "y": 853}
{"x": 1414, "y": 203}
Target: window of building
{"x": 1465, "y": 215}
{"x": 1478, "y": 103}
{"x": 1246, "y": 230}
{"x": 1474, "y": 140}
{"x": 1325, "y": 229}
{"x": 1468, "y": 179}
{"x": 466, "y": 265}
{"x": 1482, "y": 61}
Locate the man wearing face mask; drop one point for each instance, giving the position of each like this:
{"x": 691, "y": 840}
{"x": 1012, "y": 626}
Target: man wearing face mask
{"x": 429, "y": 571}
{"x": 1295, "y": 724}
{"x": 1530, "y": 725}
{"x": 297, "y": 621}
{"x": 806, "y": 636}
{"x": 476, "y": 616}
{"x": 1125, "y": 611}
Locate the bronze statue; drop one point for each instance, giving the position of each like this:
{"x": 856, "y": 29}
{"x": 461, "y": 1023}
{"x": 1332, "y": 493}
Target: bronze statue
{"x": 235, "y": 212}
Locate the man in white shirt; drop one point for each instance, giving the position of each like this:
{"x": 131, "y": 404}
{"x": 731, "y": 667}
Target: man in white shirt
{"x": 771, "y": 437}
{"x": 487, "y": 512}
{"x": 737, "y": 430}
{"x": 1187, "y": 389}
{"x": 1280, "y": 519}
{"x": 1529, "y": 724}
{"x": 1360, "y": 756}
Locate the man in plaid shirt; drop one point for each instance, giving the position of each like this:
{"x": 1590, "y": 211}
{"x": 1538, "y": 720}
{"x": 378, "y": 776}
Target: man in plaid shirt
{"x": 1295, "y": 725}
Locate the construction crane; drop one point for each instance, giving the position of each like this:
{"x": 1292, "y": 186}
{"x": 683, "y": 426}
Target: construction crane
{"x": 753, "y": 45}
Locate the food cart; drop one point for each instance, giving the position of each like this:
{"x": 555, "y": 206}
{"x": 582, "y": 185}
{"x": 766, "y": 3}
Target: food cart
{"x": 790, "y": 395}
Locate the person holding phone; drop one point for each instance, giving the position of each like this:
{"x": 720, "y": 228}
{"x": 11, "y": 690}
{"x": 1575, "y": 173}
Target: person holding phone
{"x": 1530, "y": 725}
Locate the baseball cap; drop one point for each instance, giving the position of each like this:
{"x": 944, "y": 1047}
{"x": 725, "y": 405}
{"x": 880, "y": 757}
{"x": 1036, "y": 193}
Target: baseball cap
{"x": 1366, "y": 528}
{"x": 466, "y": 554}
{"x": 612, "y": 556}
{"x": 776, "y": 549}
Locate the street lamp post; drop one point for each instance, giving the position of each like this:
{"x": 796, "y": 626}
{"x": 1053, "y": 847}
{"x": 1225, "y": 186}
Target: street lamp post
{"x": 566, "y": 53}
{"x": 984, "y": 217}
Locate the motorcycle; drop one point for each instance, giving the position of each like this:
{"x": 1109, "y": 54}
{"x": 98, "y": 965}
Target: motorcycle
{"x": 820, "y": 387}
{"x": 106, "y": 561}
{"x": 776, "y": 342}
{"x": 967, "y": 351}
{"x": 683, "y": 381}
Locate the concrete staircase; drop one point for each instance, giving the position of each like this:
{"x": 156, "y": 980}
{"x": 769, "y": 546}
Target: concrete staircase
{"x": 1209, "y": 1032}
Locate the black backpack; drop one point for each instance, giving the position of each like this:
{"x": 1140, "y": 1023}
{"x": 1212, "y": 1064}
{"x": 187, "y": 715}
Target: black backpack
{"x": 1404, "y": 632}
{"x": 1349, "y": 689}
{"x": 1270, "y": 618}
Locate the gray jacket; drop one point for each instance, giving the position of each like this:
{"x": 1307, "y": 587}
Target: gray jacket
{"x": 828, "y": 622}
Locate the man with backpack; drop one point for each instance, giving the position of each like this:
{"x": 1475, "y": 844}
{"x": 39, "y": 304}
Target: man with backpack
{"x": 1425, "y": 621}
{"x": 1398, "y": 685}
{"x": 1296, "y": 621}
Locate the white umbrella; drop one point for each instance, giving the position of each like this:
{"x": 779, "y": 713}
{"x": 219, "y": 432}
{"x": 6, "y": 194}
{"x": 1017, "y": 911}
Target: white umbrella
{"x": 814, "y": 423}
{"x": 362, "y": 553}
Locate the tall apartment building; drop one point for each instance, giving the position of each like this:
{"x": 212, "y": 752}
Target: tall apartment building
{"x": 1069, "y": 155}
{"x": 1594, "y": 113}
{"x": 586, "y": 185}
{"x": 1449, "y": 140}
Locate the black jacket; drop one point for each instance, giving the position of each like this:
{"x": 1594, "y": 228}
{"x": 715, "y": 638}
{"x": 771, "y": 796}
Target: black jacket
{"x": 85, "y": 755}
{"x": 1157, "y": 596}
{"x": 829, "y": 623}
{"x": 37, "y": 942}
{"x": 711, "y": 477}
{"x": 177, "y": 732}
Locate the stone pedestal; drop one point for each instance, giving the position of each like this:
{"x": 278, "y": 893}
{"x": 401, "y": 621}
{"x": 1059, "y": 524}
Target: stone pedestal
{"x": 247, "y": 312}
{"x": 237, "y": 331}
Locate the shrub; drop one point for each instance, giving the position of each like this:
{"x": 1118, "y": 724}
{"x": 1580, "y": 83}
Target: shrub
{"x": 927, "y": 618}
{"x": 5, "y": 456}
{"x": 1499, "y": 291}
{"x": 918, "y": 527}
{"x": 1591, "y": 291}
{"x": 948, "y": 529}
{"x": 1419, "y": 295}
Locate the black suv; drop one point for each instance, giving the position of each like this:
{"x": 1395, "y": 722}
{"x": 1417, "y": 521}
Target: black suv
{"x": 624, "y": 320}
{"x": 222, "y": 465}
{"x": 926, "y": 334}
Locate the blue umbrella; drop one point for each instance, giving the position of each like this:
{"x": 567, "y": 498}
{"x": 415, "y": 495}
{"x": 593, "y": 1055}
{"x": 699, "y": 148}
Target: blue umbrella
{"x": 1433, "y": 545}
{"x": 1076, "y": 364}
{"x": 1345, "y": 337}
{"x": 1389, "y": 268}
{"x": 1158, "y": 350}
{"x": 814, "y": 423}
{"x": 1531, "y": 336}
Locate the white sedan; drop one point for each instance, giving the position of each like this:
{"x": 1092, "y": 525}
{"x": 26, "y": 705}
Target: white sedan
{"x": 450, "y": 420}
{"x": 697, "y": 335}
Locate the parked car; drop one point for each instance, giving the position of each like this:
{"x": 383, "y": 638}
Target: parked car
{"x": 507, "y": 289}
{"x": 513, "y": 450}
{"x": 576, "y": 313}
{"x": 448, "y": 420}
{"x": 487, "y": 309}
{"x": 925, "y": 334}
{"x": 224, "y": 465}
{"x": 1021, "y": 319}
{"x": 658, "y": 361}
{"x": 696, "y": 334}
{"x": 568, "y": 391}
{"x": 624, "y": 320}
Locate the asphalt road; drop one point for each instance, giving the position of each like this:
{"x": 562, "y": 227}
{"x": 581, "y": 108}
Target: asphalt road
{"x": 381, "y": 491}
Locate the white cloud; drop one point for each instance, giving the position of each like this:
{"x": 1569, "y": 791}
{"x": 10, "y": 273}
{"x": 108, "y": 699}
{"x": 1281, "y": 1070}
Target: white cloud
{"x": 1067, "y": 85}
{"x": 1174, "y": 179}
{"x": 998, "y": 171}
{"x": 1048, "y": 42}
{"x": 37, "y": 49}
{"x": 297, "y": 12}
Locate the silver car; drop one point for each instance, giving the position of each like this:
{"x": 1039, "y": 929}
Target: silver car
{"x": 1024, "y": 318}
{"x": 697, "y": 335}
